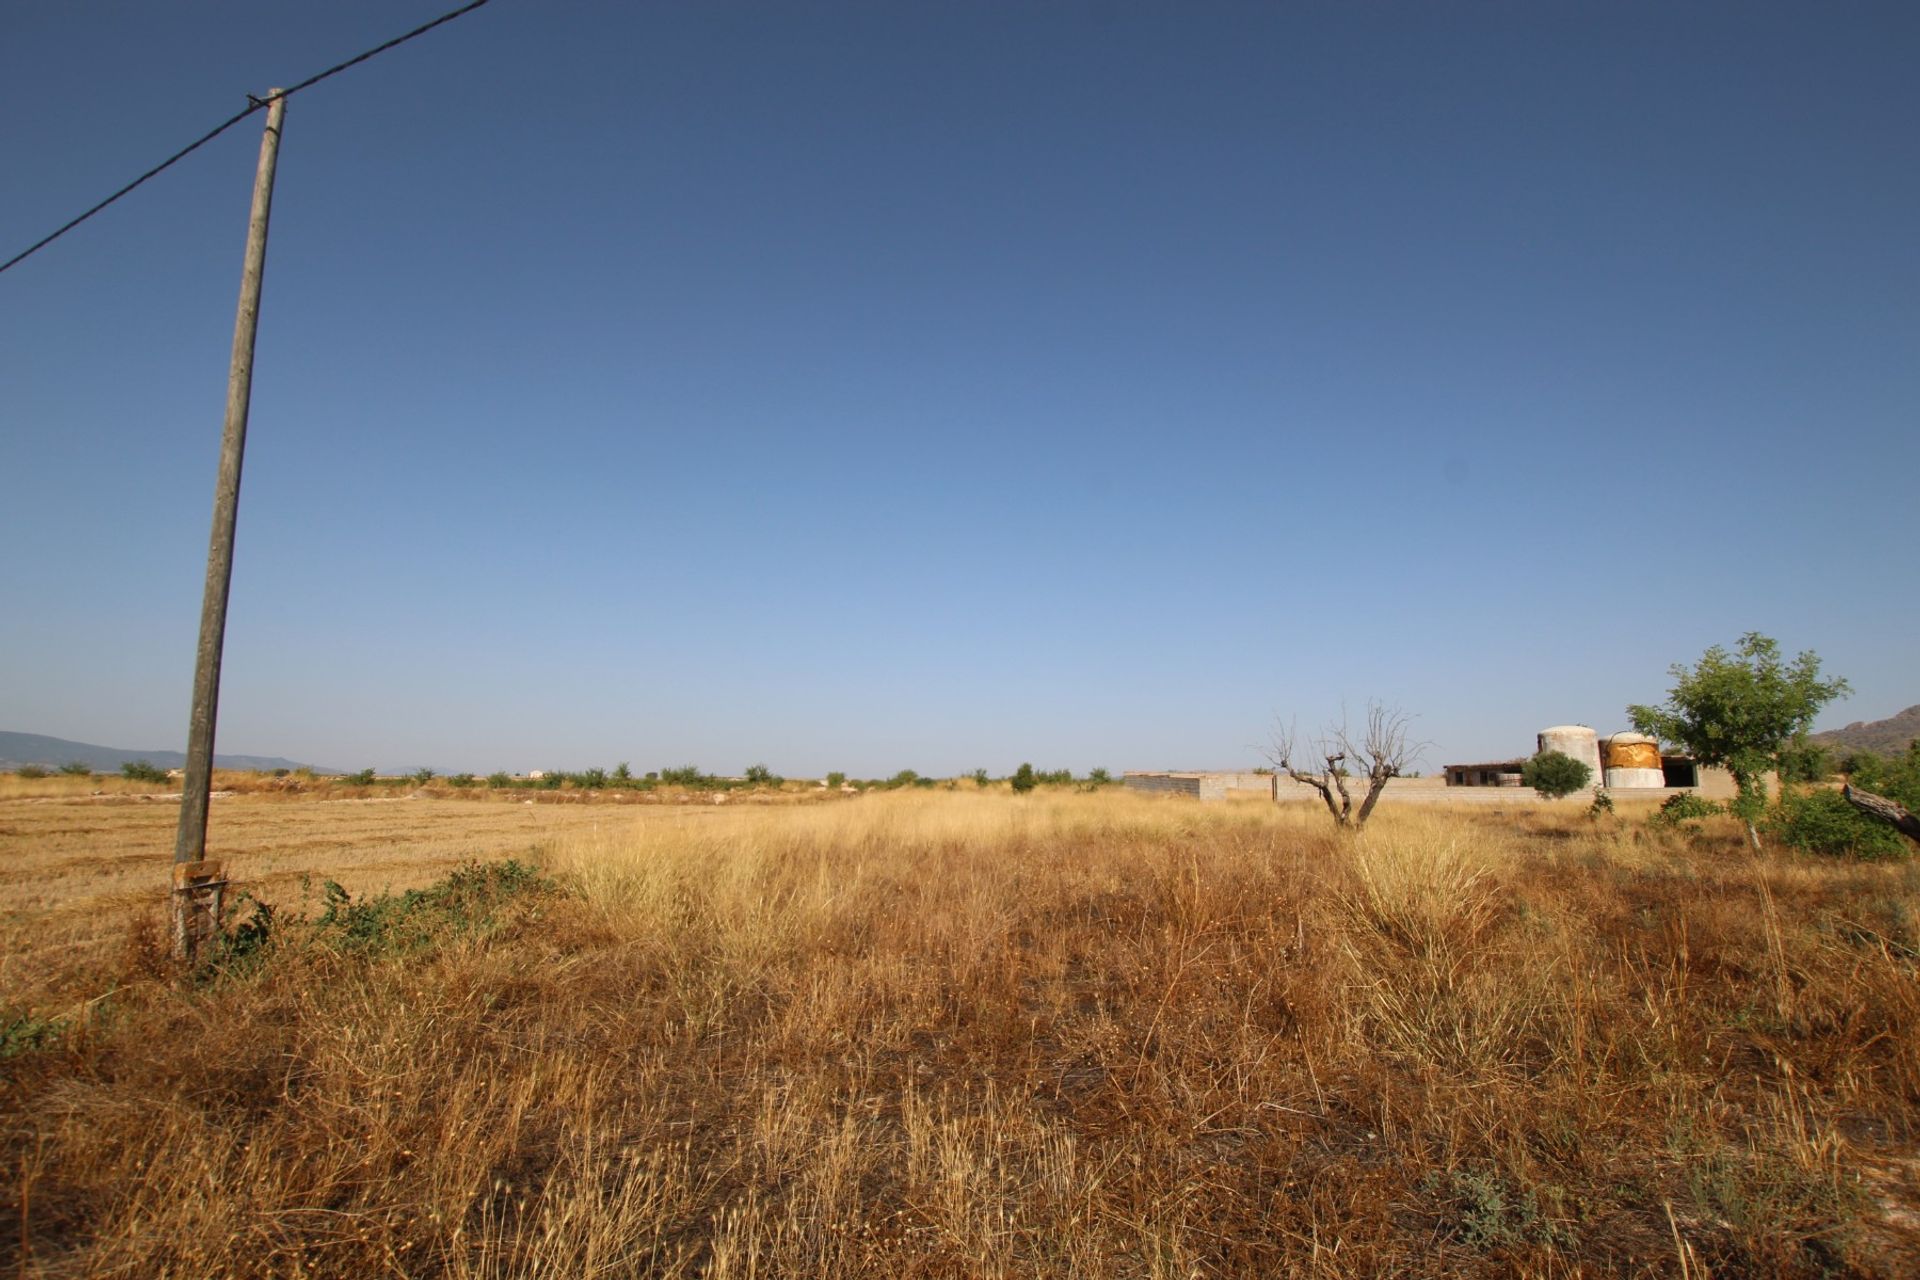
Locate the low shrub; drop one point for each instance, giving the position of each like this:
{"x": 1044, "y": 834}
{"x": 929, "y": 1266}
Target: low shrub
{"x": 1555, "y": 774}
{"x": 142, "y": 771}
{"x": 1684, "y": 807}
{"x": 1823, "y": 822}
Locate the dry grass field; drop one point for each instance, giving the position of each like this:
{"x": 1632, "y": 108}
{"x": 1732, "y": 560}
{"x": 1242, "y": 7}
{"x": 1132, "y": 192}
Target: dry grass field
{"x": 951, "y": 1034}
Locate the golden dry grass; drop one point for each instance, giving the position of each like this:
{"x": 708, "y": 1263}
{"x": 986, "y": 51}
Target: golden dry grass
{"x": 957, "y": 1034}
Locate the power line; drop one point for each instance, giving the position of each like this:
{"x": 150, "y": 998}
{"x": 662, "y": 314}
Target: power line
{"x": 253, "y": 104}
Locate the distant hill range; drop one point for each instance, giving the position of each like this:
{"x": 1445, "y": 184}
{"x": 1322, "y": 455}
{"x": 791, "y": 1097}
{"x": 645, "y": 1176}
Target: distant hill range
{"x": 1883, "y": 737}
{"x": 17, "y": 749}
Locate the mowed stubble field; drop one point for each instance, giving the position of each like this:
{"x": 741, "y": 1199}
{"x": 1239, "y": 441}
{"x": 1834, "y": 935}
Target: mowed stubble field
{"x": 959, "y": 1034}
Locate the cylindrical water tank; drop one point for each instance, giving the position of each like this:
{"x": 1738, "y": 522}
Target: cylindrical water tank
{"x": 1633, "y": 760}
{"x": 1575, "y": 740}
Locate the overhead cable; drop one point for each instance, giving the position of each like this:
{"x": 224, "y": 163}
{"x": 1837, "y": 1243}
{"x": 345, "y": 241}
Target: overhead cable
{"x": 253, "y": 104}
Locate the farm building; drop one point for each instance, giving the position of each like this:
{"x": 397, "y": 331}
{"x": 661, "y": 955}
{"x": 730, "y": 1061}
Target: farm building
{"x": 1205, "y": 785}
{"x": 1622, "y": 762}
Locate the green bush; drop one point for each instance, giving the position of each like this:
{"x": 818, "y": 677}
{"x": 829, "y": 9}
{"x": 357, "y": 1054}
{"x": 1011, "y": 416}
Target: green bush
{"x": 836, "y": 779}
{"x": 1555, "y": 774}
{"x": 31, "y": 771}
{"x": 1602, "y": 805}
{"x": 499, "y": 779}
{"x": 1024, "y": 779}
{"x": 622, "y": 774}
{"x": 904, "y": 778}
{"x": 422, "y": 776}
{"x": 1806, "y": 762}
{"x": 364, "y": 778}
{"x": 1895, "y": 777}
{"x": 1099, "y": 778}
{"x": 1823, "y": 822}
{"x": 74, "y": 769}
{"x": 589, "y": 779}
{"x": 1683, "y": 807}
{"x": 142, "y": 771}
{"x": 461, "y": 780}
{"x": 467, "y": 902}
{"x": 758, "y": 775}
{"x": 687, "y": 775}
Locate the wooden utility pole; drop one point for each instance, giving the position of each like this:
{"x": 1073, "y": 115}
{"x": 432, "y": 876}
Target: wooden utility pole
{"x": 197, "y": 883}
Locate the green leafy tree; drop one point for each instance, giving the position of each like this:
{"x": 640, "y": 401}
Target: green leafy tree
{"x": 1555, "y": 774}
{"x": 622, "y": 773}
{"x": 836, "y": 779}
{"x": 1741, "y": 711}
{"x": 1023, "y": 779}
{"x": 364, "y": 778}
{"x": 760, "y": 776}
{"x": 1099, "y": 777}
{"x": 423, "y": 775}
{"x": 499, "y": 778}
{"x": 1806, "y": 762}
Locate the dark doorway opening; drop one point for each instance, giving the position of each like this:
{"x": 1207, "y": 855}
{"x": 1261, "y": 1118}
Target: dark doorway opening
{"x": 1679, "y": 771}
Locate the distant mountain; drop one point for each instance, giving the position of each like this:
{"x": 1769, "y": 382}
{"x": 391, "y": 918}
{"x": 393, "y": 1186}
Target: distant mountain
{"x": 1884, "y": 737}
{"x": 17, "y": 749}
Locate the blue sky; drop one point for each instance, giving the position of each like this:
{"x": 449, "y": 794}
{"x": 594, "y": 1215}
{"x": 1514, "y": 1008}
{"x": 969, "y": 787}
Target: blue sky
{"x": 941, "y": 386}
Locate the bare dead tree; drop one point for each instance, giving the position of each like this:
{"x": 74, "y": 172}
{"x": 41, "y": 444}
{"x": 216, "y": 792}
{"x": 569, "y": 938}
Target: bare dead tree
{"x": 1382, "y": 751}
{"x": 1888, "y": 811}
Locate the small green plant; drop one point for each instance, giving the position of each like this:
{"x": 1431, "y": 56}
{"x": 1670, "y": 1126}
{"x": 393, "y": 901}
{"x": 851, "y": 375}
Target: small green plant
{"x": 32, "y": 772}
{"x": 1555, "y": 774}
{"x": 589, "y": 779}
{"x": 1602, "y": 805}
{"x": 1484, "y": 1212}
{"x": 23, "y": 1032}
{"x": 468, "y": 901}
{"x": 142, "y": 771}
{"x": 499, "y": 778}
{"x": 422, "y": 776}
{"x": 836, "y": 779}
{"x": 980, "y": 778}
{"x": 1684, "y": 808}
{"x": 1023, "y": 779}
{"x": 461, "y": 780}
{"x": 758, "y": 775}
{"x": 622, "y": 773}
{"x": 75, "y": 769}
{"x": 364, "y": 778}
{"x": 1823, "y": 822}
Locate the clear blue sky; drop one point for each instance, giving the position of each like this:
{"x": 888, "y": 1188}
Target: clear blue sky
{"x": 941, "y": 385}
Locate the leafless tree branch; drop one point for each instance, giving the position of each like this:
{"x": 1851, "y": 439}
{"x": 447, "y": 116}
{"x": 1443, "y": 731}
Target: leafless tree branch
{"x": 1383, "y": 750}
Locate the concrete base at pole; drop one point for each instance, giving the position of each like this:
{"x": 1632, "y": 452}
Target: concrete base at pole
{"x": 199, "y": 892}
